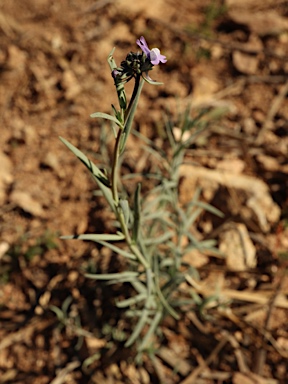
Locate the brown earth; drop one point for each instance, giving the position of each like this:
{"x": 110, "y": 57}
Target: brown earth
{"x": 230, "y": 55}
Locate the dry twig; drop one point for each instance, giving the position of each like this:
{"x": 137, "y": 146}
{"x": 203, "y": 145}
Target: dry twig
{"x": 193, "y": 376}
{"x": 268, "y": 123}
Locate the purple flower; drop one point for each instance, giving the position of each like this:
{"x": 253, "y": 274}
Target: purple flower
{"x": 115, "y": 73}
{"x": 153, "y": 54}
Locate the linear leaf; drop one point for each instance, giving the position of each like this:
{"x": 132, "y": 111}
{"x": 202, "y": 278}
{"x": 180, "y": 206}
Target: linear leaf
{"x": 130, "y": 118}
{"x": 116, "y": 249}
{"x": 160, "y": 239}
{"x": 141, "y": 323}
{"x": 125, "y": 209}
{"x": 152, "y": 82}
{"x": 151, "y": 146}
{"x": 58, "y": 312}
{"x": 122, "y": 280}
{"x": 131, "y": 300}
{"x": 95, "y": 237}
{"x": 107, "y": 117}
{"x": 163, "y": 300}
{"x": 118, "y": 84}
{"x": 209, "y": 208}
{"x": 192, "y": 217}
{"x": 139, "y": 287}
{"x": 136, "y": 223}
{"x": 99, "y": 176}
{"x": 134, "y": 313}
{"x": 184, "y": 302}
{"x": 111, "y": 60}
{"x": 109, "y": 276}
{"x": 153, "y": 326}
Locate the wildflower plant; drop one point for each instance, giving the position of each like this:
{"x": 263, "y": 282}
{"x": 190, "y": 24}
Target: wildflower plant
{"x": 154, "y": 226}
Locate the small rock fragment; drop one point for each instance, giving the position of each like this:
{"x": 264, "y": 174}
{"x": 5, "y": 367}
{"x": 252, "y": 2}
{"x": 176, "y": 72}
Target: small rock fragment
{"x": 236, "y": 244}
{"x": 26, "y": 202}
{"x": 6, "y": 177}
{"x": 245, "y": 63}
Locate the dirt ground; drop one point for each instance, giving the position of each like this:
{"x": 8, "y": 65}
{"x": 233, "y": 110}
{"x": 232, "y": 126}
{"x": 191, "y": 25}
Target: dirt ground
{"x": 230, "y": 56}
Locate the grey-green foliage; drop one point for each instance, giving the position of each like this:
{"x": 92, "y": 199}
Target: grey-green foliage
{"x": 159, "y": 225}
{"x": 153, "y": 226}
{"x": 165, "y": 230}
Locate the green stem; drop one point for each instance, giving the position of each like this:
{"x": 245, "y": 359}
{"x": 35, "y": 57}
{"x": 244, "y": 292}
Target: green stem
{"x": 116, "y": 155}
{"x": 134, "y": 94}
{"x": 133, "y": 247}
{"x": 115, "y": 166}
{"x": 129, "y": 114}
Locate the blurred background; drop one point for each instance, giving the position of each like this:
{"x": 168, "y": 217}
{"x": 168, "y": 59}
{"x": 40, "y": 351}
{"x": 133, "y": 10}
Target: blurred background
{"x": 229, "y": 56}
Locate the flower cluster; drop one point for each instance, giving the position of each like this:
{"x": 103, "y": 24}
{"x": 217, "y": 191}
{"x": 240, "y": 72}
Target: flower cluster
{"x": 137, "y": 64}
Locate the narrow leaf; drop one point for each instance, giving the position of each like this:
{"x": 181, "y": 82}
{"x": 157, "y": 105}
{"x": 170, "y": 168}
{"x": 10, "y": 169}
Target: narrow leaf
{"x": 118, "y": 84}
{"x": 107, "y": 117}
{"x": 131, "y": 301}
{"x": 152, "y": 82}
{"x": 209, "y": 208}
{"x": 109, "y": 276}
{"x": 95, "y": 237}
{"x": 117, "y": 250}
{"x": 111, "y": 60}
{"x": 192, "y": 218}
{"x": 140, "y": 325}
{"x": 152, "y": 329}
{"x": 163, "y": 300}
{"x": 139, "y": 287}
{"x": 136, "y": 223}
{"x": 160, "y": 239}
{"x": 124, "y": 206}
{"x": 58, "y": 312}
{"x": 122, "y": 280}
{"x": 128, "y": 123}
{"x": 95, "y": 171}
